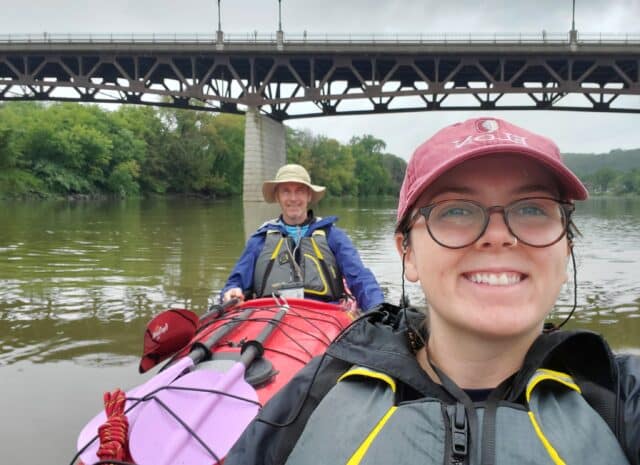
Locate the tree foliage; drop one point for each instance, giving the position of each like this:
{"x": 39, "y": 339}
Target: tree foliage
{"x": 85, "y": 150}
{"x": 613, "y": 173}
{"x": 617, "y": 159}
{"x": 359, "y": 168}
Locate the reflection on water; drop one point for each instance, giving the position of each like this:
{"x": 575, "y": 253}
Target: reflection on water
{"x": 84, "y": 277}
{"x": 79, "y": 281}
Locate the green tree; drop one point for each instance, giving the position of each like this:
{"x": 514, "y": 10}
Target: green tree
{"x": 68, "y": 149}
{"x": 9, "y": 154}
{"x": 204, "y": 152}
{"x": 396, "y": 168}
{"x": 329, "y": 163}
{"x": 628, "y": 182}
{"x": 225, "y": 134}
{"x": 149, "y": 135}
{"x": 601, "y": 180}
{"x": 372, "y": 178}
{"x": 299, "y": 146}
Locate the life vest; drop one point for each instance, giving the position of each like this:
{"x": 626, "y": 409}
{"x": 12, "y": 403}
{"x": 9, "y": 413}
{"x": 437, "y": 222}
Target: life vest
{"x": 359, "y": 422}
{"x": 312, "y": 262}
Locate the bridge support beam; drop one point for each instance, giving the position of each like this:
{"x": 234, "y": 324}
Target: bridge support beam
{"x": 264, "y": 153}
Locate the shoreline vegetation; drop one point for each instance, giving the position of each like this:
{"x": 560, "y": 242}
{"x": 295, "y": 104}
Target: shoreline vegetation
{"x": 84, "y": 152}
{"x": 65, "y": 150}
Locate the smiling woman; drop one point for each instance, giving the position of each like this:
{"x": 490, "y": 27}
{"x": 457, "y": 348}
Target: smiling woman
{"x": 485, "y": 226}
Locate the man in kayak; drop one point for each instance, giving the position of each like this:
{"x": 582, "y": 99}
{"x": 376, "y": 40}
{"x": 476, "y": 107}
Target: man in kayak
{"x": 299, "y": 252}
{"x": 485, "y": 227}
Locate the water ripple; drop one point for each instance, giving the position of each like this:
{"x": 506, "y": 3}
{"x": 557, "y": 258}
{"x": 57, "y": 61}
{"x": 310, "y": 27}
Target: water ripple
{"x": 81, "y": 278}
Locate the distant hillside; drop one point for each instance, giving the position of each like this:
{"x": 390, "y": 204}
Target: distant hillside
{"x": 584, "y": 164}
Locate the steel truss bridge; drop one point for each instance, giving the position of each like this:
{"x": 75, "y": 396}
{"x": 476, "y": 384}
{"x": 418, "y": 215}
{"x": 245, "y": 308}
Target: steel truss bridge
{"x": 304, "y": 76}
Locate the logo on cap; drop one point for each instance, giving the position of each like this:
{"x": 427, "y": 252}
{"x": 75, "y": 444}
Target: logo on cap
{"x": 159, "y": 331}
{"x": 487, "y": 125}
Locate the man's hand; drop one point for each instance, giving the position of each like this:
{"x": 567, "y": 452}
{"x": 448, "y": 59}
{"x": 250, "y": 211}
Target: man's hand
{"x": 234, "y": 292}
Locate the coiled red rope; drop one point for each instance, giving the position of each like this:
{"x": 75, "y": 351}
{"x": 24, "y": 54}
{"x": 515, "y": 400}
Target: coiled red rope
{"x": 113, "y": 433}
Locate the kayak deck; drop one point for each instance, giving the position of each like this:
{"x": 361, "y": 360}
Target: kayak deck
{"x": 303, "y": 332}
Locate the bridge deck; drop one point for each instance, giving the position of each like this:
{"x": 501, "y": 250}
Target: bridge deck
{"x": 302, "y": 76}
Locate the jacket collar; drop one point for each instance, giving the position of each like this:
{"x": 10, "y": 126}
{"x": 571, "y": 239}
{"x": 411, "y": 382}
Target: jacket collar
{"x": 315, "y": 222}
{"x": 379, "y": 340}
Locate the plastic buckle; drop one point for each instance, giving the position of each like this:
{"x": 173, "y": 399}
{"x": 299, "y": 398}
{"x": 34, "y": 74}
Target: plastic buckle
{"x": 459, "y": 431}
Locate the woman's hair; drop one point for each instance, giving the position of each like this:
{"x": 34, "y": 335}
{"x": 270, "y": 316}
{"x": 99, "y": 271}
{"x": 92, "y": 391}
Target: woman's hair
{"x": 402, "y": 226}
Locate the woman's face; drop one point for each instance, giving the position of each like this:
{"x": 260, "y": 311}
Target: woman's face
{"x": 294, "y": 199}
{"x": 466, "y": 288}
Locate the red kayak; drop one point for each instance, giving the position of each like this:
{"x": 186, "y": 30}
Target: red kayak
{"x": 194, "y": 410}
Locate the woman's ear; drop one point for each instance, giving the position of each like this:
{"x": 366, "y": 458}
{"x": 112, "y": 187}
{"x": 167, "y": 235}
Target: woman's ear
{"x": 403, "y": 245}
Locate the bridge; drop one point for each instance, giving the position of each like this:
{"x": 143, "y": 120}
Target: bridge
{"x": 273, "y": 78}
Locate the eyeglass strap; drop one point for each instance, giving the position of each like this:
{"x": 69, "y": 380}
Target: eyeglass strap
{"x": 549, "y": 326}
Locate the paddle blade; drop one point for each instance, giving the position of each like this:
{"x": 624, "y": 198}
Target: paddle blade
{"x": 87, "y": 441}
{"x": 216, "y": 419}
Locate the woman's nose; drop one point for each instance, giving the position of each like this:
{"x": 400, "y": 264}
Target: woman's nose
{"x": 497, "y": 232}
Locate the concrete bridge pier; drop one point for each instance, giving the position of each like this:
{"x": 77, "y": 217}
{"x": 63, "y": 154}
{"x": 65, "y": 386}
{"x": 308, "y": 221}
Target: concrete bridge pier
{"x": 264, "y": 153}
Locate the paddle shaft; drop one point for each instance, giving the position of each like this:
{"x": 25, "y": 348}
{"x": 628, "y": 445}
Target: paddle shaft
{"x": 253, "y": 349}
{"x": 201, "y": 350}
{"x": 218, "y": 310}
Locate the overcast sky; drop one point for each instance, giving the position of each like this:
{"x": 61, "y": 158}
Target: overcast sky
{"x": 573, "y": 131}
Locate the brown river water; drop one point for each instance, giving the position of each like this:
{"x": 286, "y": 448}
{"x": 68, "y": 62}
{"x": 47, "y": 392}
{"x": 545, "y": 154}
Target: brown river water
{"x": 80, "y": 280}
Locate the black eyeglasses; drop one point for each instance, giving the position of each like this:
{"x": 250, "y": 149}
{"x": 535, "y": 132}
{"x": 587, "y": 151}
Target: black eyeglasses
{"x": 534, "y": 221}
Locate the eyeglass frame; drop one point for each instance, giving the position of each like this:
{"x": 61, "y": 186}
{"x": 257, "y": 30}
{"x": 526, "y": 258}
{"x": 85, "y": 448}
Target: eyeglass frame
{"x": 567, "y": 208}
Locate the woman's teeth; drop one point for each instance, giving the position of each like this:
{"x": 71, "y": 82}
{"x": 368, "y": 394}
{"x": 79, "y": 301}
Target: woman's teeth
{"x": 495, "y": 279}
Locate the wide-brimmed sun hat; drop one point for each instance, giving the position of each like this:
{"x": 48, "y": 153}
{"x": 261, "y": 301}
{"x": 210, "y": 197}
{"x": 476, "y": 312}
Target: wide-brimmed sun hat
{"x": 291, "y": 173}
{"x": 476, "y": 138}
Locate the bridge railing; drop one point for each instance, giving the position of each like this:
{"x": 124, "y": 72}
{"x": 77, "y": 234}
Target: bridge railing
{"x": 315, "y": 38}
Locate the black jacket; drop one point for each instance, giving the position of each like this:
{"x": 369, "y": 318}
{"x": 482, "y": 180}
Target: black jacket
{"x": 385, "y": 341}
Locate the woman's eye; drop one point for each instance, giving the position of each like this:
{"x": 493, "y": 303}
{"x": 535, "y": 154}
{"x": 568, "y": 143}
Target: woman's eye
{"x": 455, "y": 211}
{"x": 530, "y": 210}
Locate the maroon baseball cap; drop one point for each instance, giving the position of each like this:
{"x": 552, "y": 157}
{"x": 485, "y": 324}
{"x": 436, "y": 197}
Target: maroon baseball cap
{"x": 475, "y": 138}
{"x": 166, "y": 334}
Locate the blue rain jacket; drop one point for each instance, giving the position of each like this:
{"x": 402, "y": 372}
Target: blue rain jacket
{"x": 359, "y": 279}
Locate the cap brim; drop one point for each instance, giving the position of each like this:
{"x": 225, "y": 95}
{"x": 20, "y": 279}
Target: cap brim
{"x": 269, "y": 190}
{"x": 147, "y": 363}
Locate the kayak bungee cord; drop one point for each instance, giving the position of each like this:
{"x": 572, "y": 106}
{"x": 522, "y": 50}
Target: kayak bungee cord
{"x": 152, "y": 396}
{"x": 185, "y": 426}
{"x": 199, "y": 351}
{"x": 155, "y": 439}
{"x": 312, "y": 323}
{"x": 326, "y": 340}
{"x": 307, "y": 391}
{"x": 112, "y": 462}
{"x": 227, "y": 316}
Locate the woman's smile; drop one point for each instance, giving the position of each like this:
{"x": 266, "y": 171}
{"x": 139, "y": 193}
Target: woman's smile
{"x": 501, "y": 278}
